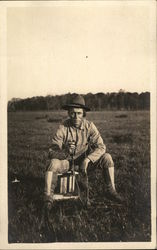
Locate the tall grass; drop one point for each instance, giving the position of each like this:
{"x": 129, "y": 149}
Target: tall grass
{"x": 127, "y": 137}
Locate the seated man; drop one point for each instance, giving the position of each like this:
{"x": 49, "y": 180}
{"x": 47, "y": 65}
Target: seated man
{"x": 79, "y": 136}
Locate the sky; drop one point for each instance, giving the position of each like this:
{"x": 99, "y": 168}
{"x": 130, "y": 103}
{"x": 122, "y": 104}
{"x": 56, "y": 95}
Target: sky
{"x": 78, "y": 48}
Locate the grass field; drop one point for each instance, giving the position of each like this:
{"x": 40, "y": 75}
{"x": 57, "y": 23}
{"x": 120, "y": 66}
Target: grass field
{"x": 127, "y": 137}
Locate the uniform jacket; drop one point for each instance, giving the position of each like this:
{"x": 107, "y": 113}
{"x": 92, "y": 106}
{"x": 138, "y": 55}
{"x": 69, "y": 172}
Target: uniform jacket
{"x": 85, "y": 137}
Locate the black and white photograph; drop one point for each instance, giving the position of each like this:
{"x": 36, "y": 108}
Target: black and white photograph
{"x": 78, "y": 107}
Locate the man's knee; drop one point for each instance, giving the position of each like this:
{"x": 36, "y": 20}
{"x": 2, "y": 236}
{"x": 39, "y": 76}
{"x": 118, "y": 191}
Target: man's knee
{"x": 58, "y": 166}
{"x": 53, "y": 165}
{"x": 107, "y": 160}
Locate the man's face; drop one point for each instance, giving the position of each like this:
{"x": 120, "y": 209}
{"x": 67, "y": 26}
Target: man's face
{"x": 76, "y": 116}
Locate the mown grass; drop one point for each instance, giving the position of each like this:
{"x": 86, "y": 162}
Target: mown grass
{"x": 127, "y": 137}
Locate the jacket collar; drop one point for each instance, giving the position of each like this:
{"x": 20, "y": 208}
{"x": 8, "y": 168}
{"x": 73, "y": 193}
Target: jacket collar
{"x": 81, "y": 126}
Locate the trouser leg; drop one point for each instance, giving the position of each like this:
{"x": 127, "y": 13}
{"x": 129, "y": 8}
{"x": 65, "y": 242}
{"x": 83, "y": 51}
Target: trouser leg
{"x": 56, "y": 166}
{"x": 107, "y": 165}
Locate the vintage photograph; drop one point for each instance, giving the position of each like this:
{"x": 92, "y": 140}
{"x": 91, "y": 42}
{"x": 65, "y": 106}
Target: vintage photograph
{"x": 79, "y": 98}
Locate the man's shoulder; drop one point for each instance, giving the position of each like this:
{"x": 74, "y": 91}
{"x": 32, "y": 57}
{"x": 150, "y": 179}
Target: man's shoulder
{"x": 65, "y": 123}
{"x": 63, "y": 126}
{"x": 87, "y": 124}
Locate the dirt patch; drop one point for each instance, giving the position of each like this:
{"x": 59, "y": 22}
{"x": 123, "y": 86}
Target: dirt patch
{"x": 126, "y": 138}
{"x": 121, "y": 116}
{"x": 41, "y": 117}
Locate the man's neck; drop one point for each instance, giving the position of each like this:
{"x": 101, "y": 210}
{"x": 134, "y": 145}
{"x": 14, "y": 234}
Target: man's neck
{"x": 77, "y": 127}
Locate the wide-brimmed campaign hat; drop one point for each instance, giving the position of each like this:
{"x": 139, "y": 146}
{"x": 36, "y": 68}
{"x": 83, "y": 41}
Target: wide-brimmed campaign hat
{"x": 77, "y": 102}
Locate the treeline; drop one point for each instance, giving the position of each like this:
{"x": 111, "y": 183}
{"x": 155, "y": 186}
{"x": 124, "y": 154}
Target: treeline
{"x": 100, "y": 101}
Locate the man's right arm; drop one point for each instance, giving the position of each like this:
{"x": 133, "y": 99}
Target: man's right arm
{"x": 57, "y": 142}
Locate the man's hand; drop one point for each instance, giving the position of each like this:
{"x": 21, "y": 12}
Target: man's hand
{"x": 84, "y": 165}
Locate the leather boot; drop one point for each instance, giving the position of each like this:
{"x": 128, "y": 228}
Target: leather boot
{"x": 113, "y": 195}
{"x": 48, "y": 205}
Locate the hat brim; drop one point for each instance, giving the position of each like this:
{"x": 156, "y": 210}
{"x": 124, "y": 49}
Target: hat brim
{"x": 68, "y": 106}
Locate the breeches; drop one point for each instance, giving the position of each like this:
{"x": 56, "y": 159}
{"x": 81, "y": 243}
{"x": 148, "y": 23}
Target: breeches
{"x": 62, "y": 166}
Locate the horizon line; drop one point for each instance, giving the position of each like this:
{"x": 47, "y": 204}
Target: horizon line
{"x": 71, "y": 93}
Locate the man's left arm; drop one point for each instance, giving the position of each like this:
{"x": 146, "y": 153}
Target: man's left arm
{"x": 97, "y": 144}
